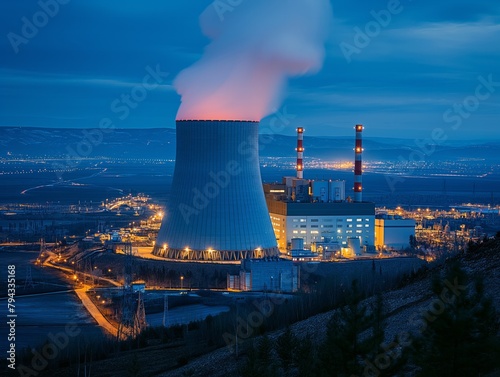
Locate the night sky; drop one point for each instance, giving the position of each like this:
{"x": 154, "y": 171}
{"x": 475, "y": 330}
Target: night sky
{"x": 433, "y": 65}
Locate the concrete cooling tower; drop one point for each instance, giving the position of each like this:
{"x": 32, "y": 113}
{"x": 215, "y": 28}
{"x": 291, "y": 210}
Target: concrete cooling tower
{"x": 217, "y": 209}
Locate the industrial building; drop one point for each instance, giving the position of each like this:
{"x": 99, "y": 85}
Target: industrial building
{"x": 217, "y": 209}
{"x": 268, "y": 274}
{"x": 319, "y": 213}
{"x": 393, "y": 232}
{"x": 331, "y": 223}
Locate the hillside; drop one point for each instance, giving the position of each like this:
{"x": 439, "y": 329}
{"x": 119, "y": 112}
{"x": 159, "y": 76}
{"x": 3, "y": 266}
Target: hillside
{"x": 160, "y": 143}
{"x": 402, "y": 306}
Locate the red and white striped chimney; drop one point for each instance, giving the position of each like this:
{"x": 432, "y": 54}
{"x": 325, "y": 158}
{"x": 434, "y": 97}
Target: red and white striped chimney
{"x": 358, "y": 165}
{"x": 300, "y": 152}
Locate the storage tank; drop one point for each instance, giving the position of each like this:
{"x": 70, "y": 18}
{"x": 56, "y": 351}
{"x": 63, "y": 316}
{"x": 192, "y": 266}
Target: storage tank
{"x": 320, "y": 191}
{"x": 337, "y": 191}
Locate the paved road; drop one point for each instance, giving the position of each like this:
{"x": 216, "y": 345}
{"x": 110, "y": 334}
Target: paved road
{"x": 94, "y": 311}
{"x": 87, "y": 302}
{"x": 49, "y": 263}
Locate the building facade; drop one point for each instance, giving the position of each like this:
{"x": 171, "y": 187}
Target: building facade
{"x": 322, "y": 223}
{"x": 393, "y": 232}
{"x": 266, "y": 275}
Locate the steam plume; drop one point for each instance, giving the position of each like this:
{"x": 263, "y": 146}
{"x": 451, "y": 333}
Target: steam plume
{"x": 255, "y": 47}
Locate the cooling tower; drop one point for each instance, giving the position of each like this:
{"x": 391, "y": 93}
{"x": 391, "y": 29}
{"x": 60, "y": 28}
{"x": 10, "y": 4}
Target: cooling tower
{"x": 217, "y": 209}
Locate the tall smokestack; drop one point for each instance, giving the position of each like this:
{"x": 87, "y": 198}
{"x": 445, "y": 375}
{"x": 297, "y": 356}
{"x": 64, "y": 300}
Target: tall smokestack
{"x": 358, "y": 165}
{"x": 300, "y": 153}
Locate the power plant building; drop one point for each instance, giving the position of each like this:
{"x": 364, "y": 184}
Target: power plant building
{"x": 393, "y": 232}
{"x": 317, "y": 212}
{"x": 268, "y": 274}
{"x": 317, "y": 222}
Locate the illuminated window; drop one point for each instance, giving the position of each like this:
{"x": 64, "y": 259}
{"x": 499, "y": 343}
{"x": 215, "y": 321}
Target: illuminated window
{"x": 349, "y": 220}
{"x": 314, "y": 232}
{"x": 359, "y": 220}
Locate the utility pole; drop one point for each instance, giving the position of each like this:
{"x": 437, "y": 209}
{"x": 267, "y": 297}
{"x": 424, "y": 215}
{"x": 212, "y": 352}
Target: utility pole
{"x": 28, "y": 283}
{"x": 165, "y": 310}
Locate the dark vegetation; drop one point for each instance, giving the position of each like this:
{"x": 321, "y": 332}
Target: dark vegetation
{"x": 461, "y": 339}
{"x": 459, "y": 334}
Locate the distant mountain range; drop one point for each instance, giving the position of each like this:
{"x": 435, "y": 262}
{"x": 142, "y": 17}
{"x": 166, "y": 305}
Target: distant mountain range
{"x": 160, "y": 144}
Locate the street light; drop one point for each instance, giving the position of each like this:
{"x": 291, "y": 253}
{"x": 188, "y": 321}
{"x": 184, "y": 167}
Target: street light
{"x": 182, "y": 279}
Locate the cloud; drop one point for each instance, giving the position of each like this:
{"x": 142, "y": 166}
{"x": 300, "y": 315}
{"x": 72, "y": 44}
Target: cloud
{"x": 427, "y": 58}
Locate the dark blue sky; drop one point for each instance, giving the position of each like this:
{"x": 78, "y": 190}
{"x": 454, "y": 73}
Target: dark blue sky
{"x": 435, "y": 65}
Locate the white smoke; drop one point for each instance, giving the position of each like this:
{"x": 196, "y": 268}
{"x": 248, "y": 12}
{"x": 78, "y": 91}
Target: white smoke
{"x": 256, "y": 45}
